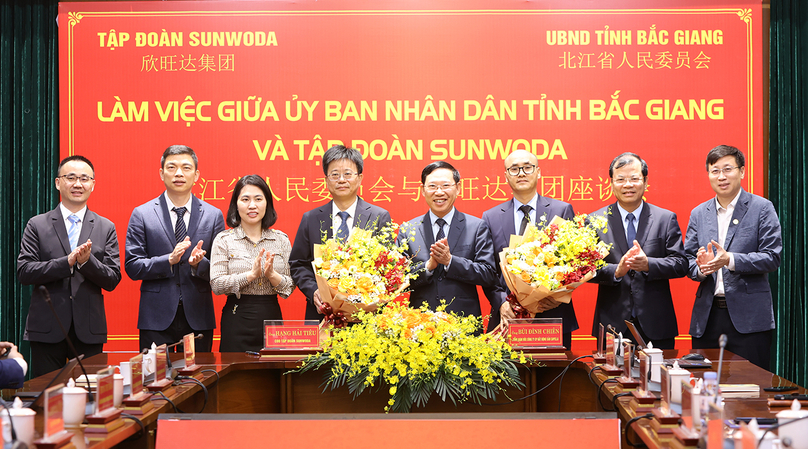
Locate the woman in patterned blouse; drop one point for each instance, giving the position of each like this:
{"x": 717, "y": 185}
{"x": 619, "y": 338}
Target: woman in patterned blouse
{"x": 250, "y": 264}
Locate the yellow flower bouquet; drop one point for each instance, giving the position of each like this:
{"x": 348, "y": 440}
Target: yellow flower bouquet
{"x": 553, "y": 261}
{"x": 362, "y": 272}
{"x": 417, "y": 352}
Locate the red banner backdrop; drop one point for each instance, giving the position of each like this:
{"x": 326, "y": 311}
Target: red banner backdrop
{"x": 266, "y": 87}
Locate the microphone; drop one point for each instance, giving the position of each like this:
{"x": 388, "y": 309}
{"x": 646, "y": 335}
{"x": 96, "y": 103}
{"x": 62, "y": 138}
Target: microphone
{"x": 722, "y": 343}
{"x": 45, "y": 294}
{"x": 14, "y": 443}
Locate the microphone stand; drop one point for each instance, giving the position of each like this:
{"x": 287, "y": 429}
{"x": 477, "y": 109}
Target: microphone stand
{"x": 722, "y": 342}
{"x": 44, "y": 292}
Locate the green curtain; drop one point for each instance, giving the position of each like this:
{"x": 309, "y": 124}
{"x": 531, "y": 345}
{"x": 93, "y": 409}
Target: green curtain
{"x": 787, "y": 181}
{"x": 29, "y": 132}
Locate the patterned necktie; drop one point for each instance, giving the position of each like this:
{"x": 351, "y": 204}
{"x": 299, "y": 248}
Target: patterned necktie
{"x": 180, "y": 231}
{"x": 73, "y": 232}
{"x": 441, "y": 235}
{"x": 441, "y": 223}
{"x": 526, "y": 218}
{"x": 631, "y": 232}
{"x": 342, "y": 232}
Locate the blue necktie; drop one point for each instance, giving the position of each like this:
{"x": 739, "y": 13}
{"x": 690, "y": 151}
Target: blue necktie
{"x": 180, "y": 232}
{"x": 631, "y": 232}
{"x": 342, "y": 232}
{"x": 73, "y": 232}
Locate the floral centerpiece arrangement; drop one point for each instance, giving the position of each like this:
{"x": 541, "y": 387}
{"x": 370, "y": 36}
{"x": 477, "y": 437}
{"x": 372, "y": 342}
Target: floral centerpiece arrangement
{"x": 550, "y": 262}
{"x": 360, "y": 273}
{"x": 415, "y": 352}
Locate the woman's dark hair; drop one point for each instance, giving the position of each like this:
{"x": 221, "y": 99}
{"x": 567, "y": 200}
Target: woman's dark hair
{"x": 270, "y": 217}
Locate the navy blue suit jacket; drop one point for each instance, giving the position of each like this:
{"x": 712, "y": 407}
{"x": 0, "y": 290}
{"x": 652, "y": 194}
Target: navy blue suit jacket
{"x": 472, "y": 263}
{"x": 11, "y": 375}
{"x": 648, "y": 292}
{"x": 501, "y": 222}
{"x": 315, "y": 225}
{"x": 149, "y": 241}
{"x": 754, "y": 239}
{"x": 76, "y": 295}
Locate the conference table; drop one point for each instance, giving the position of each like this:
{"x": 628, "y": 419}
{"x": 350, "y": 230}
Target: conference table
{"x": 243, "y": 384}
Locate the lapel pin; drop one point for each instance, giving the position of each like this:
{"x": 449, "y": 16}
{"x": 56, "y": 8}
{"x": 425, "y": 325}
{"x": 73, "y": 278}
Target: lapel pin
{"x": 735, "y": 221}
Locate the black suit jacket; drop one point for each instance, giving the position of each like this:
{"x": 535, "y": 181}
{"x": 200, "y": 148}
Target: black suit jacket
{"x": 472, "y": 263}
{"x": 500, "y": 220}
{"x": 316, "y": 225}
{"x": 76, "y": 294}
{"x": 649, "y": 292}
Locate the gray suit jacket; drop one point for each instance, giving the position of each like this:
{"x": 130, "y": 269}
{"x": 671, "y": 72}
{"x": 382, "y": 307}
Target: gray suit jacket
{"x": 500, "y": 220}
{"x": 76, "y": 294}
{"x": 648, "y": 292}
{"x": 754, "y": 239}
{"x": 316, "y": 225}
{"x": 149, "y": 241}
{"x": 472, "y": 263}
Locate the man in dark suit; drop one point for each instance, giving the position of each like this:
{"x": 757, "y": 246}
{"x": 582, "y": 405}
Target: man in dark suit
{"x": 452, "y": 252}
{"x": 733, "y": 243}
{"x": 73, "y": 253}
{"x": 343, "y": 175}
{"x": 646, "y": 252}
{"x": 512, "y": 217}
{"x": 166, "y": 243}
{"x": 12, "y": 366}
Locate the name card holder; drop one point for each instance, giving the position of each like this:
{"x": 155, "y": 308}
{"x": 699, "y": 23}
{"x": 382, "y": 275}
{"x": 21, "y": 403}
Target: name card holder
{"x": 643, "y": 400}
{"x": 665, "y": 420}
{"x": 600, "y": 354}
{"x": 541, "y": 338}
{"x": 610, "y": 368}
{"x": 189, "y": 349}
{"x": 290, "y": 339}
{"x": 161, "y": 381}
{"x": 106, "y": 417}
{"x": 54, "y": 433}
{"x": 626, "y": 382}
{"x": 139, "y": 401}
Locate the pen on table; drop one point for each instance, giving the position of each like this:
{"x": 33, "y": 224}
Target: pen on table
{"x": 252, "y": 353}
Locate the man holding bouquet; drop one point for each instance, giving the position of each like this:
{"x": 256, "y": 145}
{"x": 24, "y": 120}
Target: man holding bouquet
{"x": 512, "y": 217}
{"x": 342, "y": 167}
{"x": 452, "y": 253}
{"x": 646, "y": 253}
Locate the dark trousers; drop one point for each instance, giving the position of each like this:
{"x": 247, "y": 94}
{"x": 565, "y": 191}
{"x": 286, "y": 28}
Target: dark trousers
{"x": 178, "y": 329}
{"x": 755, "y": 347}
{"x": 47, "y": 357}
{"x": 663, "y": 343}
{"x": 243, "y": 321}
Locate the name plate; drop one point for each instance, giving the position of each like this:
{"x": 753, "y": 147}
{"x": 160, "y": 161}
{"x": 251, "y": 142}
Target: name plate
{"x": 291, "y": 334}
{"x": 104, "y": 391}
{"x": 54, "y": 423}
{"x": 535, "y": 332}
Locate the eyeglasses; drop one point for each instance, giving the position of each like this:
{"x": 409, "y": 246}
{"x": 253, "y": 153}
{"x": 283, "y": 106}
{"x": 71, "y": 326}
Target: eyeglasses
{"x": 631, "y": 180}
{"x": 432, "y": 188}
{"x": 527, "y": 170}
{"x": 348, "y": 175}
{"x": 71, "y": 178}
{"x": 725, "y": 170}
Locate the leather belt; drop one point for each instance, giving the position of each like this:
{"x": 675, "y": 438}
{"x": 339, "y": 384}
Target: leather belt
{"x": 720, "y": 302}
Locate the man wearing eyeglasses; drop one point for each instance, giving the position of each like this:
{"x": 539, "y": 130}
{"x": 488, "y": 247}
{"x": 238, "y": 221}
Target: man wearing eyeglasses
{"x": 73, "y": 253}
{"x": 167, "y": 243}
{"x": 522, "y": 172}
{"x": 733, "y": 242}
{"x": 342, "y": 167}
{"x": 452, "y": 252}
{"x": 646, "y": 253}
